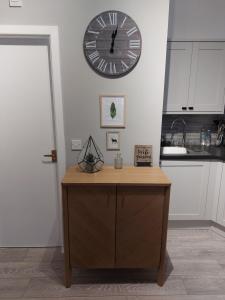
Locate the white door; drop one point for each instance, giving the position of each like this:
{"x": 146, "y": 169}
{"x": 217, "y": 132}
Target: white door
{"x": 29, "y": 212}
{"x": 207, "y": 77}
{"x": 178, "y": 69}
{"x": 188, "y": 198}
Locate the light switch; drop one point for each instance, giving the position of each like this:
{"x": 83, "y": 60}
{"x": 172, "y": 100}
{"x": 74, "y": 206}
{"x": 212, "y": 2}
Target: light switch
{"x": 15, "y": 3}
{"x": 76, "y": 145}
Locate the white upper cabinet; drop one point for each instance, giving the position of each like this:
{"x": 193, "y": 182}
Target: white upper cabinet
{"x": 178, "y": 70}
{"x": 195, "y": 79}
{"x": 207, "y": 77}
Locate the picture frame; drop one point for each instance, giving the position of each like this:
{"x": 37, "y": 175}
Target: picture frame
{"x": 112, "y": 111}
{"x": 113, "y": 140}
{"x": 143, "y": 155}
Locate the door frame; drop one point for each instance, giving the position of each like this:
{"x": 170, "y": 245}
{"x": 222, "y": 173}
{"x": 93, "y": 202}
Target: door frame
{"x": 51, "y": 33}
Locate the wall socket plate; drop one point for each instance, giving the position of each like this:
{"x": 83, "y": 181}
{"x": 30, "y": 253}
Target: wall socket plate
{"x": 15, "y": 3}
{"x": 76, "y": 145}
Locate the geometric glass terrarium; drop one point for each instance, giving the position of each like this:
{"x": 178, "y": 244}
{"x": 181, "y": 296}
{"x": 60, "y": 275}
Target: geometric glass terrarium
{"x": 90, "y": 159}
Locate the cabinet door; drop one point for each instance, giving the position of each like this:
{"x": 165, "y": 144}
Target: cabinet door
{"x": 221, "y": 205}
{"x": 178, "y": 69}
{"x": 92, "y": 226}
{"x": 207, "y": 77}
{"x": 139, "y": 226}
{"x": 188, "y": 190}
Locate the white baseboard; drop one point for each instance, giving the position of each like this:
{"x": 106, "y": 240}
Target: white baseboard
{"x": 218, "y": 229}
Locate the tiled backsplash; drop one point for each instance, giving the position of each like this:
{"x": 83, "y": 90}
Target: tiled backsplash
{"x": 194, "y": 125}
{"x": 194, "y": 122}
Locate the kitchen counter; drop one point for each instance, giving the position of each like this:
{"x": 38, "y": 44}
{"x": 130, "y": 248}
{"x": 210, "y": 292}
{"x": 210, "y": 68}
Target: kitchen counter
{"x": 197, "y": 153}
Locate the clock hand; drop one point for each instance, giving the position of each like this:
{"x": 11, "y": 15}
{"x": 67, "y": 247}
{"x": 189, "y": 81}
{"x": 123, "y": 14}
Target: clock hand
{"x": 115, "y": 32}
{"x": 112, "y": 43}
{"x": 113, "y": 36}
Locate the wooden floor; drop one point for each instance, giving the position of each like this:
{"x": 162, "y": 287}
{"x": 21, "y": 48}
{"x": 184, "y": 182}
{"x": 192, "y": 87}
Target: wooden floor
{"x": 196, "y": 271}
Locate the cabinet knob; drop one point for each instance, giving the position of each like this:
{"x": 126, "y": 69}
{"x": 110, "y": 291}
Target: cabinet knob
{"x": 184, "y": 108}
{"x": 191, "y": 107}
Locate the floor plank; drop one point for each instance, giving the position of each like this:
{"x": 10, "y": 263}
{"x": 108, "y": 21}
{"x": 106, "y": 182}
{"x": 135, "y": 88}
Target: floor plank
{"x": 12, "y": 288}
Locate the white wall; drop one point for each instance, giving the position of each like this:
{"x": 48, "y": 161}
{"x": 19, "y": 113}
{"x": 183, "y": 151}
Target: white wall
{"x": 82, "y": 87}
{"x": 197, "y": 20}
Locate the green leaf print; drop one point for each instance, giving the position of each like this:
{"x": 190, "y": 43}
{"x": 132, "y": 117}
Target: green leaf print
{"x": 113, "y": 110}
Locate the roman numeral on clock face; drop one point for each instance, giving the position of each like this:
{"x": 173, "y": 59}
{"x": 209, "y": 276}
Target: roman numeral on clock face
{"x": 132, "y": 55}
{"x": 123, "y": 22}
{"x": 112, "y": 68}
{"x": 101, "y": 22}
{"x": 132, "y": 31}
{"x": 102, "y": 65}
{"x": 124, "y": 65}
{"x": 113, "y": 18}
{"x": 93, "y": 32}
{"x": 94, "y": 56}
{"x": 90, "y": 45}
{"x": 134, "y": 44}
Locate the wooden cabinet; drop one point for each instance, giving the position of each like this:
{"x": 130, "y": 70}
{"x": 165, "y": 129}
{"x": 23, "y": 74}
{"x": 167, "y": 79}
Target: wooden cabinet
{"x": 93, "y": 210}
{"x": 195, "y": 77}
{"x": 189, "y": 179}
{"x": 115, "y": 219}
{"x": 138, "y": 230}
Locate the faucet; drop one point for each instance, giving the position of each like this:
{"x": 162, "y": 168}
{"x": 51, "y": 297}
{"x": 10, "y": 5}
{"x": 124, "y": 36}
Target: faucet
{"x": 184, "y": 133}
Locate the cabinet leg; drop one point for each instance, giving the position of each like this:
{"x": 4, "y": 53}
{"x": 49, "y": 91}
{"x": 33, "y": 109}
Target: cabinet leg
{"x": 161, "y": 276}
{"x": 68, "y": 276}
{"x": 67, "y": 266}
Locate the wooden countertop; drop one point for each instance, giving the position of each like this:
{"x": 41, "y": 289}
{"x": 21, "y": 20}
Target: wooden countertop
{"x": 109, "y": 175}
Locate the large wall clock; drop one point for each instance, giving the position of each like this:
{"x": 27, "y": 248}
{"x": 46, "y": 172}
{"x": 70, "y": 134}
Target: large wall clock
{"x": 112, "y": 44}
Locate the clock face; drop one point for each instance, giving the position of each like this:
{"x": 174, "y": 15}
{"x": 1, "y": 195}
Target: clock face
{"x": 112, "y": 44}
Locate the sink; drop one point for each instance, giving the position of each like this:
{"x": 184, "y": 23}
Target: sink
{"x": 174, "y": 150}
{"x": 197, "y": 151}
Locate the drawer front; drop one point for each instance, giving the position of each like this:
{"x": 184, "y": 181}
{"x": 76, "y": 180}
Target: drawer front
{"x": 91, "y": 212}
{"x": 139, "y": 226}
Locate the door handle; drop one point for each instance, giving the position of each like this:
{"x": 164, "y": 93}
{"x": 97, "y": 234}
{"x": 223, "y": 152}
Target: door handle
{"x": 53, "y": 155}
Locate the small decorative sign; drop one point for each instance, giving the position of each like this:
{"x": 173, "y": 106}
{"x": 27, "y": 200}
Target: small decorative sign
{"x": 143, "y": 155}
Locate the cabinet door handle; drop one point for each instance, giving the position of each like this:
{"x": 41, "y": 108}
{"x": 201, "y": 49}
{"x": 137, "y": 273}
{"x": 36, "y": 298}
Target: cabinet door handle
{"x": 184, "y": 108}
{"x": 191, "y": 107}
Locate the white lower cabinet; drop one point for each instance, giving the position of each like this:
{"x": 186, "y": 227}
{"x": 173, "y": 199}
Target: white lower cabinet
{"x": 220, "y": 215}
{"x": 188, "y": 199}
{"x": 197, "y": 191}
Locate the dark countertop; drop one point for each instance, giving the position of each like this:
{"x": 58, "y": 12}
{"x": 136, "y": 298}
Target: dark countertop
{"x": 197, "y": 153}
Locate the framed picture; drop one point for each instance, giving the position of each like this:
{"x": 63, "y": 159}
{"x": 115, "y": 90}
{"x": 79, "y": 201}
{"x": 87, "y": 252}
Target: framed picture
{"x": 112, "y": 140}
{"x": 112, "y": 111}
{"x": 143, "y": 155}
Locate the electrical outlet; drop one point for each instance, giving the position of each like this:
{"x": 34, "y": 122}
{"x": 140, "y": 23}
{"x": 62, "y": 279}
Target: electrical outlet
{"x": 15, "y": 3}
{"x": 76, "y": 145}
